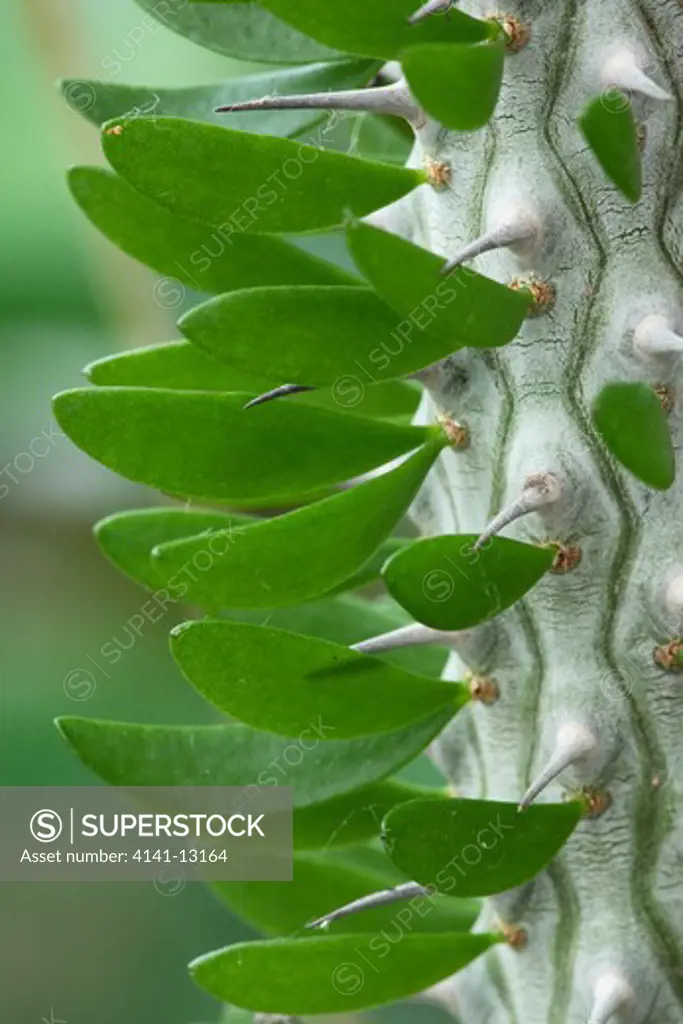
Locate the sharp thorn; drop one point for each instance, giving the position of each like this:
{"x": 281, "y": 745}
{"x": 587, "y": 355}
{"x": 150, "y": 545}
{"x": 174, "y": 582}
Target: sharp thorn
{"x": 405, "y": 891}
{"x": 393, "y": 99}
{"x": 279, "y": 392}
{"x": 654, "y": 336}
{"x": 612, "y": 994}
{"x": 540, "y": 490}
{"x": 412, "y": 635}
{"x": 573, "y": 743}
{"x": 622, "y": 71}
{"x": 673, "y": 597}
{"x": 512, "y": 234}
{"x": 429, "y": 8}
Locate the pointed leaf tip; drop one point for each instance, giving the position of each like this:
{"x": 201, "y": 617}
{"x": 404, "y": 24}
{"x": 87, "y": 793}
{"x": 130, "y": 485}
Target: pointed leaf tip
{"x": 609, "y": 128}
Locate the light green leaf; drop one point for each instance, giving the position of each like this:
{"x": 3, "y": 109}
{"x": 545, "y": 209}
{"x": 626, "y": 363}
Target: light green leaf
{"x": 335, "y": 974}
{"x": 100, "y": 101}
{"x": 256, "y": 183}
{"x": 632, "y": 423}
{"x": 457, "y": 83}
{"x": 279, "y": 682}
{"x": 445, "y": 583}
{"x": 461, "y": 309}
{"x": 245, "y": 31}
{"x": 207, "y": 445}
{"x": 323, "y": 882}
{"x": 314, "y": 764}
{"x": 476, "y": 847}
{"x": 206, "y": 258}
{"x": 182, "y": 366}
{"x": 379, "y": 29}
{"x": 303, "y": 554}
{"x": 352, "y": 817}
{"x": 610, "y": 130}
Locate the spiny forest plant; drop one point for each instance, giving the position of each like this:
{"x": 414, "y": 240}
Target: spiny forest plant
{"x": 523, "y": 273}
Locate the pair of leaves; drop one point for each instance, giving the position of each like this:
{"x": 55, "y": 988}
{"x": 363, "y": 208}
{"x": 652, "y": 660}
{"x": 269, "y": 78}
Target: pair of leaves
{"x": 298, "y": 556}
{"x": 330, "y": 335}
{"x": 476, "y": 847}
{"x": 324, "y": 881}
{"x": 184, "y": 367}
{"x": 100, "y": 101}
{"x": 316, "y": 766}
{"x": 632, "y": 423}
{"x": 206, "y": 445}
{"x": 447, "y": 584}
{"x": 209, "y": 257}
{"x": 255, "y": 183}
{"x": 279, "y": 681}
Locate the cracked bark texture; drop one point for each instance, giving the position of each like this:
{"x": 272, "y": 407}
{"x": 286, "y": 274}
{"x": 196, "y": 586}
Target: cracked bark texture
{"x": 579, "y": 648}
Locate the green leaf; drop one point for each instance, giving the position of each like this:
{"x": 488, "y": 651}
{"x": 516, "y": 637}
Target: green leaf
{"x": 128, "y": 538}
{"x": 379, "y": 29}
{"x": 244, "y": 31}
{"x": 303, "y": 554}
{"x": 323, "y": 882}
{"x": 206, "y": 258}
{"x": 461, "y": 309}
{"x": 256, "y": 183}
{"x": 335, "y": 974}
{"x": 458, "y": 84}
{"x": 351, "y": 817}
{"x": 182, "y": 366}
{"x": 281, "y": 328}
{"x": 100, "y": 101}
{"x": 445, "y": 583}
{"x": 610, "y": 130}
{"x": 632, "y": 423}
{"x": 279, "y": 682}
{"x": 314, "y": 764}
{"x": 476, "y": 847}
{"x": 207, "y": 445}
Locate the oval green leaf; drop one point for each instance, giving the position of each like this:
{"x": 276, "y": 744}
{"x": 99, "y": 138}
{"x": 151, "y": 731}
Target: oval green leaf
{"x": 322, "y": 882}
{"x": 476, "y": 847}
{"x": 207, "y": 445}
{"x": 335, "y": 974}
{"x": 461, "y": 309}
{"x": 303, "y": 554}
{"x": 445, "y": 583}
{"x": 632, "y": 423}
{"x": 244, "y": 30}
{"x": 314, "y": 764}
{"x": 254, "y": 183}
{"x": 100, "y": 101}
{"x": 199, "y": 256}
{"x": 379, "y": 29}
{"x": 457, "y": 83}
{"x": 279, "y": 681}
{"x": 610, "y": 130}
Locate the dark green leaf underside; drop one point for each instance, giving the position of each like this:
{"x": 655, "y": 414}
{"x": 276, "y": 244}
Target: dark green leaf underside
{"x": 476, "y": 847}
{"x": 444, "y": 583}
{"x": 256, "y": 183}
{"x": 314, "y": 764}
{"x": 630, "y": 419}
{"x": 337, "y": 974}
{"x": 198, "y": 255}
{"x": 207, "y": 445}
{"x": 610, "y": 130}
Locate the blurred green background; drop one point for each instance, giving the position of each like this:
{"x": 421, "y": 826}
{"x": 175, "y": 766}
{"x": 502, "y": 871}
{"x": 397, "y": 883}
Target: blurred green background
{"x": 83, "y": 954}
